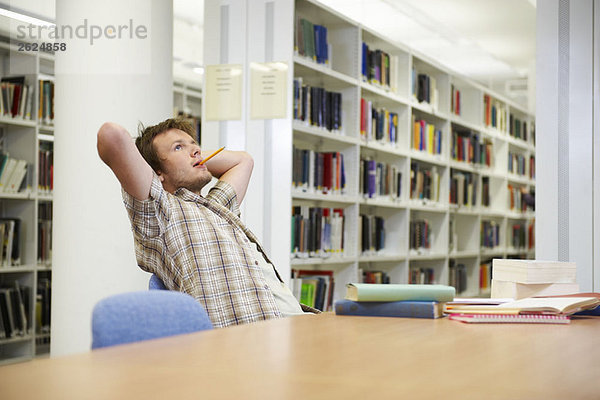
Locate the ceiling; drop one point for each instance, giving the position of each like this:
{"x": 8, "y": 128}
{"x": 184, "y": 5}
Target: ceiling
{"x": 492, "y": 41}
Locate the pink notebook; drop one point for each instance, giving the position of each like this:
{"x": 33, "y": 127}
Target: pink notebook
{"x": 511, "y": 318}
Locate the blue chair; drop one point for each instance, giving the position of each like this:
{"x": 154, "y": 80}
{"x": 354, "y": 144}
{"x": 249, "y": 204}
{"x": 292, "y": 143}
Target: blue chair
{"x": 156, "y": 283}
{"x": 149, "y": 314}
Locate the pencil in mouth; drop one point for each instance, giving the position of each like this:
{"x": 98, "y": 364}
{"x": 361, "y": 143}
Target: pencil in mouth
{"x": 211, "y": 156}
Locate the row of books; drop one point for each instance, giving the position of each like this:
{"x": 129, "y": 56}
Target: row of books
{"x": 426, "y": 138}
{"x": 317, "y": 106}
{"x": 46, "y": 167}
{"x": 469, "y": 147}
{"x": 313, "y": 288}
{"x": 310, "y": 41}
{"x": 424, "y": 88}
{"x": 424, "y": 182}
{"x": 318, "y": 172}
{"x": 370, "y": 276}
{"x": 517, "y": 128}
{"x": 421, "y": 276}
{"x": 43, "y": 304}
{"x": 421, "y": 236}
{"x": 485, "y": 275}
{"x": 379, "y": 68}
{"x": 457, "y": 276}
{"x": 517, "y": 163}
{"x": 371, "y": 231}
{"x": 455, "y": 100}
{"x": 378, "y": 123}
{"x": 522, "y": 235}
{"x": 463, "y": 188}
{"x": 46, "y": 102}
{"x": 521, "y": 199}
{"x": 317, "y": 232}
{"x": 485, "y": 191}
{"x": 44, "y": 233}
{"x": 17, "y": 100}
{"x": 379, "y": 180}
{"x": 490, "y": 234}
{"x": 494, "y": 113}
{"x": 14, "y": 311}
{"x": 10, "y": 239}
{"x": 13, "y": 173}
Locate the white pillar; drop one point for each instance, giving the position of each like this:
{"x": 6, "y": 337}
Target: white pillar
{"x": 566, "y": 217}
{"x": 123, "y": 79}
{"x": 242, "y": 32}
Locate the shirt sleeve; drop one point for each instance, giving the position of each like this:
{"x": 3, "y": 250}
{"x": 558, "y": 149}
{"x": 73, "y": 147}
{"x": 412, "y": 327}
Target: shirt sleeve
{"x": 224, "y": 194}
{"x": 149, "y": 217}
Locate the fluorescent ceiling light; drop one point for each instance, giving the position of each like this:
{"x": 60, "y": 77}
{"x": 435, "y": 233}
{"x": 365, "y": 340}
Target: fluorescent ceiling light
{"x": 25, "y": 18}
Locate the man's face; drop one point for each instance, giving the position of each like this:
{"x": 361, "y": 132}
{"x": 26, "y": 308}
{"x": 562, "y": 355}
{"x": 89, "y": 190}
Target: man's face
{"x": 179, "y": 157}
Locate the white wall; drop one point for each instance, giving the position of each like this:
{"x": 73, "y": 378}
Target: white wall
{"x": 93, "y": 253}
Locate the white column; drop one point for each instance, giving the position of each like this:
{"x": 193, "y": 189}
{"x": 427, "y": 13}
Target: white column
{"x": 124, "y": 79}
{"x": 565, "y": 137}
{"x": 242, "y": 32}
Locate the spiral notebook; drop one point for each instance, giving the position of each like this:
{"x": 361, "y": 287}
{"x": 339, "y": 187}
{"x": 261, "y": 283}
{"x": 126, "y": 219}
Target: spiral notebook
{"x": 511, "y": 318}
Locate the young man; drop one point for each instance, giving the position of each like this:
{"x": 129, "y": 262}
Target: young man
{"x": 197, "y": 245}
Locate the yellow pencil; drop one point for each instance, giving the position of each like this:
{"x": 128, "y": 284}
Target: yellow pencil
{"x": 212, "y": 155}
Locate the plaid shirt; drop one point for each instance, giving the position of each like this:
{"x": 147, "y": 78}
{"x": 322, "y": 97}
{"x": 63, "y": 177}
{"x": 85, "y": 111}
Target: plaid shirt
{"x": 199, "y": 246}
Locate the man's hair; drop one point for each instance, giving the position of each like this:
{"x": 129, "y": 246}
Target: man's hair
{"x": 146, "y": 135}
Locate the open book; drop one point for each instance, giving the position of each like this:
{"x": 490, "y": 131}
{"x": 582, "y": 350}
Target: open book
{"x": 532, "y": 305}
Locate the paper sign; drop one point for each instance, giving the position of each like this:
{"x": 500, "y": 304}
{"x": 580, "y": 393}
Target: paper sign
{"x": 268, "y": 90}
{"x": 223, "y": 96}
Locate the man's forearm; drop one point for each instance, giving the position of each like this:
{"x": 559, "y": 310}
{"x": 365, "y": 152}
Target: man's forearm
{"x": 233, "y": 167}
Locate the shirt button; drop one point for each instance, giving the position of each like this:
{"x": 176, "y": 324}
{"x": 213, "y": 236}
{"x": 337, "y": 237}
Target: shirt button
{"x": 256, "y": 262}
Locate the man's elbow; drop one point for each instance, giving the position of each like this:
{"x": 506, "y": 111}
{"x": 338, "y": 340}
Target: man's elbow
{"x": 109, "y": 138}
{"x": 247, "y": 160}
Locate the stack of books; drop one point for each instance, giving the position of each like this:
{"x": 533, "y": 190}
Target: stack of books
{"x": 394, "y": 300}
{"x": 519, "y": 279}
{"x": 547, "y": 310}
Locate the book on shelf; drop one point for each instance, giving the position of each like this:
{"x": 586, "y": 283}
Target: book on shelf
{"x": 310, "y": 40}
{"x": 455, "y": 100}
{"x": 378, "y": 124}
{"x": 534, "y": 271}
{"x": 379, "y": 68}
{"x": 317, "y": 232}
{"x": 517, "y": 290}
{"x": 489, "y": 234}
{"x": 378, "y": 179}
{"x": 314, "y": 288}
{"x": 46, "y": 102}
{"x": 371, "y": 231}
{"x": 318, "y": 172}
{"x": 426, "y": 137}
{"x": 316, "y": 106}
{"x": 530, "y": 305}
{"x": 510, "y": 318}
{"x": 374, "y": 276}
{"x": 16, "y": 99}
{"x": 398, "y": 292}
{"x": 402, "y": 309}
{"x": 14, "y": 310}
{"x": 424, "y": 182}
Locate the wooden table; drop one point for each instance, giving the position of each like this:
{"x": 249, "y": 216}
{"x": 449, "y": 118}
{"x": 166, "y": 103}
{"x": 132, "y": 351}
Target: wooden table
{"x": 328, "y": 357}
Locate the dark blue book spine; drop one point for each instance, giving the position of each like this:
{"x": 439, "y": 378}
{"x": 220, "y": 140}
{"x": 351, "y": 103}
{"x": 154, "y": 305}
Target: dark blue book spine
{"x": 401, "y": 309}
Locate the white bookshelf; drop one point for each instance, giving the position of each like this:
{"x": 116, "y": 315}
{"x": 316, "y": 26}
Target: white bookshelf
{"x": 449, "y": 223}
{"x": 23, "y": 139}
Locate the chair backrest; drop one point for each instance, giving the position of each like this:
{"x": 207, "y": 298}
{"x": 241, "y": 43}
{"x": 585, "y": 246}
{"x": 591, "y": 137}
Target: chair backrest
{"x": 149, "y": 314}
{"x": 155, "y": 283}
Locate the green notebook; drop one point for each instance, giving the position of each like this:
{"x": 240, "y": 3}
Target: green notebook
{"x": 398, "y": 292}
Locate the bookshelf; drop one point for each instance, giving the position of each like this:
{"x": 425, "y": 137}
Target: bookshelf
{"x": 29, "y": 138}
{"x": 462, "y": 155}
